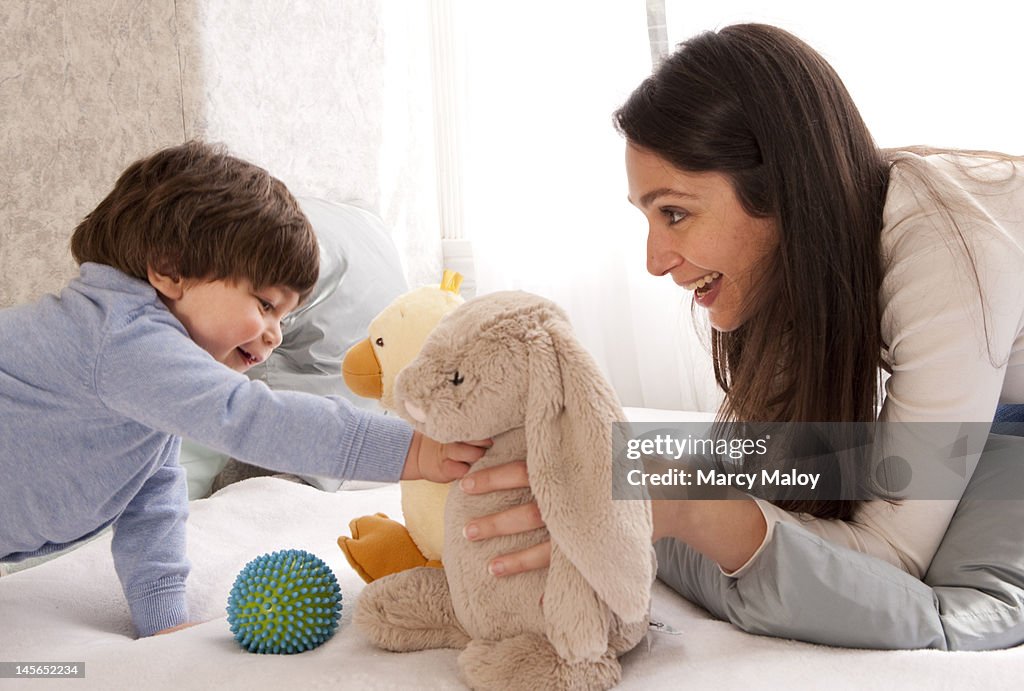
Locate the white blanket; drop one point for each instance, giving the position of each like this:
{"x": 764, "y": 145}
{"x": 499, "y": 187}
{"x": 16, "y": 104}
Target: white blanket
{"x": 72, "y": 609}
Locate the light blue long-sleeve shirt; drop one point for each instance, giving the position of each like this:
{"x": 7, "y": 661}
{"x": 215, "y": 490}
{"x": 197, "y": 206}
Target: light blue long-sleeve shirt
{"x": 97, "y": 387}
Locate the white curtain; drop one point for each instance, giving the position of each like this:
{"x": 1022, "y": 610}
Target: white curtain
{"x": 935, "y": 72}
{"x": 543, "y": 187}
{"x": 536, "y": 176}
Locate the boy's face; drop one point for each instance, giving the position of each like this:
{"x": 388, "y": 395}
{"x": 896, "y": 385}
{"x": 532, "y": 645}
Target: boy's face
{"x": 236, "y": 324}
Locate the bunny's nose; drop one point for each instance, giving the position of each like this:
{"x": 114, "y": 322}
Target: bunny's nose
{"x": 415, "y": 412}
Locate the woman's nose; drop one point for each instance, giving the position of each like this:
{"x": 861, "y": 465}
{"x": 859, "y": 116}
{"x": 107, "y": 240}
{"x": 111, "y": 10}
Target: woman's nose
{"x": 662, "y": 256}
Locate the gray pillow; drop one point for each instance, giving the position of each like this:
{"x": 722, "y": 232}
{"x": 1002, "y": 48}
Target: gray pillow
{"x": 803, "y": 587}
{"x": 978, "y": 572}
{"x": 360, "y": 274}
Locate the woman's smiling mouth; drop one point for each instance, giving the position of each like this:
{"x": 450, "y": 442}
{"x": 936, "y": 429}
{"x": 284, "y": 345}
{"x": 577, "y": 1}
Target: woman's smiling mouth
{"x": 703, "y": 284}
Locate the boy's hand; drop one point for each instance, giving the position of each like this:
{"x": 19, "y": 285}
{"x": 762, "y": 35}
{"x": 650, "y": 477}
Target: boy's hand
{"x": 431, "y": 460}
{"x": 172, "y": 629}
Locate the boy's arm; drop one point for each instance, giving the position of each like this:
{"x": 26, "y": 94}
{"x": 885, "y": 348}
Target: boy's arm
{"x": 149, "y": 370}
{"x": 149, "y": 549}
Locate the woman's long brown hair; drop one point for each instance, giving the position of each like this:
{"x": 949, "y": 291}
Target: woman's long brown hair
{"x": 761, "y": 106}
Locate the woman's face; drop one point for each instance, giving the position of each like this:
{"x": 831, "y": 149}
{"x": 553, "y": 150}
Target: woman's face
{"x": 699, "y": 233}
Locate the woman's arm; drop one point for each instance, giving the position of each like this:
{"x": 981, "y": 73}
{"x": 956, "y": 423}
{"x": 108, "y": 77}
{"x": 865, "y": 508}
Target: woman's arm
{"x": 728, "y": 531}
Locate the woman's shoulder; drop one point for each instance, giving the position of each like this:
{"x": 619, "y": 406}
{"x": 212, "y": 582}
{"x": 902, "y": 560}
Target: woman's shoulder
{"x": 953, "y": 200}
{"x": 952, "y": 244}
{"x": 955, "y": 187}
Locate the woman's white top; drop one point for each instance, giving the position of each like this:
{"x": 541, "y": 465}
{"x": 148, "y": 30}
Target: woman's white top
{"x": 954, "y": 354}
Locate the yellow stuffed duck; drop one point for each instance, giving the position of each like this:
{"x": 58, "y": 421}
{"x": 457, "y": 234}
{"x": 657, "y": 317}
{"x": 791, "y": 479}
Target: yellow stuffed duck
{"x": 380, "y": 546}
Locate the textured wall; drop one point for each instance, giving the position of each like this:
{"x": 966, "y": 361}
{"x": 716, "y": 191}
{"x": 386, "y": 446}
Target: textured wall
{"x": 85, "y": 86}
{"x": 292, "y": 85}
{"x": 332, "y": 97}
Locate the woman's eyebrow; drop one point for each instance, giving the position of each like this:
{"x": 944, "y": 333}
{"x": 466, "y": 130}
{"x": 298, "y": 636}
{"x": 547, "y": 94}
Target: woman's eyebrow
{"x": 649, "y": 197}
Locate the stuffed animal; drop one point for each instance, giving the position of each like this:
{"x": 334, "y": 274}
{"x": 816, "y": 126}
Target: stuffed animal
{"x": 380, "y": 546}
{"x": 507, "y": 366}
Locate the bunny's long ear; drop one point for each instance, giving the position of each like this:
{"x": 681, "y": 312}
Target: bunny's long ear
{"x": 569, "y": 417}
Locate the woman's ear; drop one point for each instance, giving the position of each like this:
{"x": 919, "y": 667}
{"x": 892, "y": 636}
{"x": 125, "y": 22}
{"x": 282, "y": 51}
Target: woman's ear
{"x": 170, "y": 287}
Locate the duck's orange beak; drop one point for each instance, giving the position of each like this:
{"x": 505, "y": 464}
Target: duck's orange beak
{"x": 361, "y": 370}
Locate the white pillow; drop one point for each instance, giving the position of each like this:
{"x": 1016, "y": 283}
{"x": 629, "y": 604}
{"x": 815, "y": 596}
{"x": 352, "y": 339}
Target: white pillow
{"x": 201, "y": 465}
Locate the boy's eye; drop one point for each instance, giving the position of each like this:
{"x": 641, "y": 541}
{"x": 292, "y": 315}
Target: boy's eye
{"x": 266, "y": 306}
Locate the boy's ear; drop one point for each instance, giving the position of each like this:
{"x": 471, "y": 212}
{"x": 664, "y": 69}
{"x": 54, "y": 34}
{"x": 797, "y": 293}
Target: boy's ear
{"x": 171, "y": 287}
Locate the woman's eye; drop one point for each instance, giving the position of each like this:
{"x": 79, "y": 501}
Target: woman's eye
{"x": 674, "y": 215}
{"x": 457, "y": 378}
{"x": 379, "y": 342}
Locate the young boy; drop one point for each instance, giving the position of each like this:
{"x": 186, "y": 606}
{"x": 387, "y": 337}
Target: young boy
{"x": 187, "y": 268}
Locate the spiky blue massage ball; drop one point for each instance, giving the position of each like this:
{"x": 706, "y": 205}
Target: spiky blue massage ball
{"x": 284, "y": 602}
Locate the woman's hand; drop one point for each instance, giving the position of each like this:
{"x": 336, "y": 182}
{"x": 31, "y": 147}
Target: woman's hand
{"x": 518, "y": 519}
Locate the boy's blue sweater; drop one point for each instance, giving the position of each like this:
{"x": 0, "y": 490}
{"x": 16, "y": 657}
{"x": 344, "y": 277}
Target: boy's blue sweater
{"x": 97, "y": 387}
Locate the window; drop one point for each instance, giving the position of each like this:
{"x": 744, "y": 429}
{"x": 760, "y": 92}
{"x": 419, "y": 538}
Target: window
{"x": 942, "y": 74}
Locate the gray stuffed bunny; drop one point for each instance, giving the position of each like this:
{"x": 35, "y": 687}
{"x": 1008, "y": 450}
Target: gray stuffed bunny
{"x": 507, "y": 366}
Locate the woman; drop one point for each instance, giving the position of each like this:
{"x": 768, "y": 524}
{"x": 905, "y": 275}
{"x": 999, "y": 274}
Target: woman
{"x": 821, "y": 260}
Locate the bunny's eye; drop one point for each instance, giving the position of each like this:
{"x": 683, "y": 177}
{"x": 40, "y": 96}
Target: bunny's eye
{"x": 380, "y": 342}
{"x": 457, "y": 379}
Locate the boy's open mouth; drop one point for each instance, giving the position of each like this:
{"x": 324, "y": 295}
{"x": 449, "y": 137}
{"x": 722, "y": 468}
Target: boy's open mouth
{"x": 249, "y": 358}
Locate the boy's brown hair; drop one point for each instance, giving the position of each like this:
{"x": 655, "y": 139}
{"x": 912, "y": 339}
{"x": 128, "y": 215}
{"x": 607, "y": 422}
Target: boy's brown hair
{"x": 194, "y": 211}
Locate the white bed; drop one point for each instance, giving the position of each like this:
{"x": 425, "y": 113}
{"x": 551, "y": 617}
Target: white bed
{"x": 72, "y": 609}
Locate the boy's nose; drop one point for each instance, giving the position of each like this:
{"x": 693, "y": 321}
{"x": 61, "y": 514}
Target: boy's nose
{"x": 272, "y": 336}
